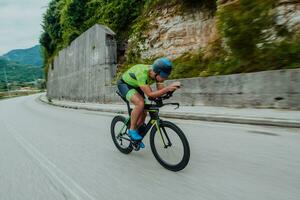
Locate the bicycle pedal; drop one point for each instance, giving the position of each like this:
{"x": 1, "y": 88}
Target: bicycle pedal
{"x": 137, "y": 148}
{"x": 136, "y": 145}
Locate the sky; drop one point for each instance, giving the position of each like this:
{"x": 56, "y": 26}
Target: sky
{"x": 20, "y": 23}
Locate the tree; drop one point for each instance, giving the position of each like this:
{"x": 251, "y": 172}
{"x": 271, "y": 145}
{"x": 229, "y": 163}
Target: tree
{"x": 73, "y": 16}
{"x": 51, "y": 37}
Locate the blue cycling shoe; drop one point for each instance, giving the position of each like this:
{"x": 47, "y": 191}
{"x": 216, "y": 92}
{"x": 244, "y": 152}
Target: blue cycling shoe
{"x": 138, "y": 146}
{"x": 134, "y": 135}
{"x": 142, "y": 145}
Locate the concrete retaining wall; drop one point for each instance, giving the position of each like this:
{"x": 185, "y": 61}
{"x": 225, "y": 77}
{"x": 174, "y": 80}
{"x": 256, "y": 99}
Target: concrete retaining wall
{"x": 268, "y": 89}
{"x": 83, "y": 72}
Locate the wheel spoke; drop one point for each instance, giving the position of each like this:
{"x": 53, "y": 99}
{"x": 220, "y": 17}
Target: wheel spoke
{"x": 118, "y": 132}
{"x": 121, "y": 133}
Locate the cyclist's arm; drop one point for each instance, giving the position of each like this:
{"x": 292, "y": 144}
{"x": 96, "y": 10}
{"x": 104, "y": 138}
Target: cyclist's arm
{"x": 160, "y": 85}
{"x": 154, "y": 94}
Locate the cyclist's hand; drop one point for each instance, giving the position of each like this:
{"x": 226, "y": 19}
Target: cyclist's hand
{"x": 176, "y": 84}
{"x": 171, "y": 88}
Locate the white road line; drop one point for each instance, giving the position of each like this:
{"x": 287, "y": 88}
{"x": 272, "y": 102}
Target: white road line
{"x": 53, "y": 171}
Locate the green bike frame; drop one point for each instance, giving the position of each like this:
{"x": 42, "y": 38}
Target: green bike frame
{"x": 154, "y": 121}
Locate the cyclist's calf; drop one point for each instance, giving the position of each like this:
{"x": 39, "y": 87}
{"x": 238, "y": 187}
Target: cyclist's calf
{"x": 137, "y": 111}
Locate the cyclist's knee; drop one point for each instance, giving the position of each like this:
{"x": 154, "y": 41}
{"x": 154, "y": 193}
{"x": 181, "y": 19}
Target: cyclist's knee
{"x": 140, "y": 103}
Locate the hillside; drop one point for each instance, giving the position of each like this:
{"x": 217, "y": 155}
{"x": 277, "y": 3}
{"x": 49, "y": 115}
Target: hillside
{"x": 203, "y": 38}
{"x": 18, "y": 72}
{"x": 30, "y": 56}
{"x": 20, "y": 66}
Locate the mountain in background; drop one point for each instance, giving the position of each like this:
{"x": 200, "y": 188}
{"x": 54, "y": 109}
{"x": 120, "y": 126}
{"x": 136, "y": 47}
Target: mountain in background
{"x": 15, "y": 72}
{"x": 31, "y": 56}
{"x": 21, "y": 66}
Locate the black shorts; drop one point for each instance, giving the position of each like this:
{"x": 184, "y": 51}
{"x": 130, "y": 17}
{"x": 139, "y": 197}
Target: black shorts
{"x": 127, "y": 91}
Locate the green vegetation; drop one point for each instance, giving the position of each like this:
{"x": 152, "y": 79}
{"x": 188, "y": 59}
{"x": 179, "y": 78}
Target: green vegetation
{"x": 31, "y": 56}
{"x": 20, "y": 68}
{"x": 64, "y": 20}
{"x": 249, "y": 39}
{"x": 6, "y": 95}
{"x": 67, "y": 19}
{"x": 18, "y": 75}
{"x": 255, "y": 40}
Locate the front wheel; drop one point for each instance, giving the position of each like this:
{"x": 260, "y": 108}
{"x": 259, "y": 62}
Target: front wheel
{"x": 169, "y": 146}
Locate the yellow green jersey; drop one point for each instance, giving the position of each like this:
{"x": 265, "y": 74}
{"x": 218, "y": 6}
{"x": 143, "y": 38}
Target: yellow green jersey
{"x": 138, "y": 75}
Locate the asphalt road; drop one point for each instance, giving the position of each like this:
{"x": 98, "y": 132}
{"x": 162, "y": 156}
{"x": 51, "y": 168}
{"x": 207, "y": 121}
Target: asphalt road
{"x": 55, "y": 153}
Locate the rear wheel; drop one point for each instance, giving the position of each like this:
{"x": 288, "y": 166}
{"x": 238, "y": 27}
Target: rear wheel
{"x": 170, "y": 146}
{"x": 118, "y": 128}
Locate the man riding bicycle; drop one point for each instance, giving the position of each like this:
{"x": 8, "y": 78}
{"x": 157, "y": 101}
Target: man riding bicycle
{"x": 135, "y": 83}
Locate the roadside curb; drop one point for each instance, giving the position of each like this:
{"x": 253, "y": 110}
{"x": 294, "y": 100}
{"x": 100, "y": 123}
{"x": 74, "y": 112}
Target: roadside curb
{"x": 189, "y": 116}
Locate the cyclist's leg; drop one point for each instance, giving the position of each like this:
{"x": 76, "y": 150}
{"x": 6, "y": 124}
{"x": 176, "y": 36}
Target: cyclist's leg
{"x": 143, "y": 115}
{"x": 141, "y": 125}
{"x": 142, "y": 118}
{"x": 132, "y": 95}
{"x": 138, "y": 102}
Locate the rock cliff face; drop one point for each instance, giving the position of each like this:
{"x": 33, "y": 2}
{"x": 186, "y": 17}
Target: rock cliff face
{"x": 174, "y": 33}
{"x": 289, "y": 14}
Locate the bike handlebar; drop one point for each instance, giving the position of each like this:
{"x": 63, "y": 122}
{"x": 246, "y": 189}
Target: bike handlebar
{"x": 159, "y": 100}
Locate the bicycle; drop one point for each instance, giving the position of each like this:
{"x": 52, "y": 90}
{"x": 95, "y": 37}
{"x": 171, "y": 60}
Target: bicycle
{"x": 164, "y": 135}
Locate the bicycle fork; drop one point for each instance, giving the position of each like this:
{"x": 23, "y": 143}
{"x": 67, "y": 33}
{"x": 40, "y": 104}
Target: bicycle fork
{"x": 161, "y": 135}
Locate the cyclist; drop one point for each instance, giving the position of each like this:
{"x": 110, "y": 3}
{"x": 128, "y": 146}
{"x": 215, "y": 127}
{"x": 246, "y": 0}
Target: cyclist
{"x": 136, "y": 81}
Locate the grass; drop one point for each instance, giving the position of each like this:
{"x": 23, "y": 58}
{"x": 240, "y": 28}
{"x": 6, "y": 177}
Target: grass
{"x": 12, "y": 94}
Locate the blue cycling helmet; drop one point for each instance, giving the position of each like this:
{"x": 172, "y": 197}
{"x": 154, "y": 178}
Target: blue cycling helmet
{"x": 163, "y": 67}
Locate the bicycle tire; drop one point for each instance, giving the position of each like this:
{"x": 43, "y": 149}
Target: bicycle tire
{"x": 186, "y": 154}
{"x": 115, "y": 120}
